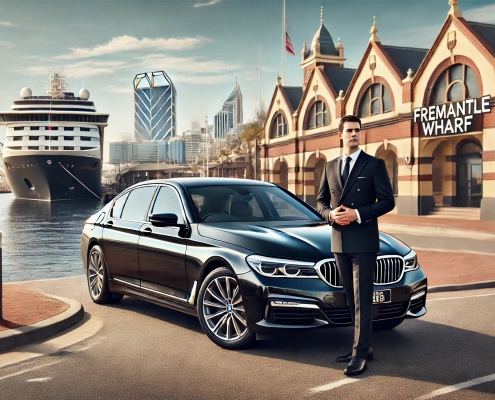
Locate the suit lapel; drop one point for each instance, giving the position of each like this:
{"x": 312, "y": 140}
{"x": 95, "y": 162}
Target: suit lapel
{"x": 361, "y": 161}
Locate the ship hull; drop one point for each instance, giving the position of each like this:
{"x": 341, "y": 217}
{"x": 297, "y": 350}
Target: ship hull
{"x": 53, "y": 177}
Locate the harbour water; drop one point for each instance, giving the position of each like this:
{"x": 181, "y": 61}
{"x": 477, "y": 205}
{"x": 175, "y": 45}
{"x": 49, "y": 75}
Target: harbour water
{"x": 41, "y": 239}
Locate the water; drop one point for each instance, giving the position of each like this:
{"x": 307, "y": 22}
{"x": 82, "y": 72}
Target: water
{"x": 40, "y": 239}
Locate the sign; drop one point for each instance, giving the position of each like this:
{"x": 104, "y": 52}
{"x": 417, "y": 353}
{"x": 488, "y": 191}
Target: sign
{"x": 451, "y": 118}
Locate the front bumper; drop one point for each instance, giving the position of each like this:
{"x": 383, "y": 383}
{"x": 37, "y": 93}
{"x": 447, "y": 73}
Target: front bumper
{"x": 281, "y": 304}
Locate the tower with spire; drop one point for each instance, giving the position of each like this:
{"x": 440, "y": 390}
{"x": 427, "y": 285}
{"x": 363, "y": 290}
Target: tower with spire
{"x": 322, "y": 51}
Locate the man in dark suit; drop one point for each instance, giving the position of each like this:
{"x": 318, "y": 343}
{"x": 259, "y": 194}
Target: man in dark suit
{"x": 354, "y": 191}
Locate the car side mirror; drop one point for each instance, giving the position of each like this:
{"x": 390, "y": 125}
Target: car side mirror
{"x": 167, "y": 219}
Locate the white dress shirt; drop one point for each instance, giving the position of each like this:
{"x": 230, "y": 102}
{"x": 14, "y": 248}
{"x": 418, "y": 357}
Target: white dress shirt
{"x": 353, "y": 158}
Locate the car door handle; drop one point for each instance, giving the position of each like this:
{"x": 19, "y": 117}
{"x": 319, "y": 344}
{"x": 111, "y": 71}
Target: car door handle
{"x": 147, "y": 231}
{"x": 109, "y": 224}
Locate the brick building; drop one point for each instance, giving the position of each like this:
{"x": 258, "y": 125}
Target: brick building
{"x": 427, "y": 112}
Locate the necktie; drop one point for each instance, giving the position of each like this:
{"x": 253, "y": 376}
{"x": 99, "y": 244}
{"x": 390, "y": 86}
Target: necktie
{"x": 347, "y": 168}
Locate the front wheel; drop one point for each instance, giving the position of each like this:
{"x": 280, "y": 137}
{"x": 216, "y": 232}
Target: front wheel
{"x": 98, "y": 279}
{"x": 221, "y": 311}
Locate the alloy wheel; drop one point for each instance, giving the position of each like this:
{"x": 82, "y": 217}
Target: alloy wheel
{"x": 223, "y": 309}
{"x": 95, "y": 276}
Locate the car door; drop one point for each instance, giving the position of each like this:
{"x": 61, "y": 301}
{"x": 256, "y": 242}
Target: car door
{"x": 121, "y": 234}
{"x": 162, "y": 250}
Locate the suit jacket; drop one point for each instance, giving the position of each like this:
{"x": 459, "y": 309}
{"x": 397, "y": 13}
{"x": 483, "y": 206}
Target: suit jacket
{"x": 368, "y": 190}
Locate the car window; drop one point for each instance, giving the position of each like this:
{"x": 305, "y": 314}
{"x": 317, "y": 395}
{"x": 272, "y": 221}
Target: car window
{"x": 137, "y": 203}
{"x": 118, "y": 206}
{"x": 248, "y": 203}
{"x": 168, "y": 201}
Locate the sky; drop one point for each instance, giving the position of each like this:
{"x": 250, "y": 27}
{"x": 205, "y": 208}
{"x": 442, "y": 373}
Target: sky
{"x": 202, "y": 45}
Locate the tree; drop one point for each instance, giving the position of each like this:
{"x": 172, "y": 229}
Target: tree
{"x": 251, "y": 131}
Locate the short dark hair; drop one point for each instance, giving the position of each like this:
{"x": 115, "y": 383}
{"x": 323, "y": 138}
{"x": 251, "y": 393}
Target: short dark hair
{"x": 348, "y": 118}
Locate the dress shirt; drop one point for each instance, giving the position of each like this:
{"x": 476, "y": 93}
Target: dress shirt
{"x": 353, "y": 158}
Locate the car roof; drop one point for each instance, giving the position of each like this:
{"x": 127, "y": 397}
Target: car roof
{"x": 194, "y": 181}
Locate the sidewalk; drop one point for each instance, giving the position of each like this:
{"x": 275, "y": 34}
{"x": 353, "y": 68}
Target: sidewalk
{"x": 30, "y": 316}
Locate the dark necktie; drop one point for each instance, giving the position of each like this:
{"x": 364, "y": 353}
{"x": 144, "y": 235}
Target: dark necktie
{"x": 347, "y": 168}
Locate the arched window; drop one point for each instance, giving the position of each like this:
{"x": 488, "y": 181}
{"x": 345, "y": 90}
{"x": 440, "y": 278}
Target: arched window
{"x": 279, "y": 126}
{"x": 318, "y": 115}
{"x": 376, "y": 100}
{"x": 458, "y": 82}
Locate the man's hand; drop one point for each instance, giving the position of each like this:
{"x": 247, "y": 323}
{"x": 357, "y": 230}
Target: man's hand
{"x": 343, "y": 215}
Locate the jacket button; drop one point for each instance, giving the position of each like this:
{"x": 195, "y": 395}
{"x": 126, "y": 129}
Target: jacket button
{"x": 352, "y": 204}
{"x": 359, "y": 190}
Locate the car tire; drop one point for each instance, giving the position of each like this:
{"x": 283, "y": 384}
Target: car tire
{"x": 97, "y": 278}
{"x": 221, "y": 311}
{"x": 386, "y": 325}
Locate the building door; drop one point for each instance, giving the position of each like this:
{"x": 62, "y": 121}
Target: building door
{"x": 469, "y": 180}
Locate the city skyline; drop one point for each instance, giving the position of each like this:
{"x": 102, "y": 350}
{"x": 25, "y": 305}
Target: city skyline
{"x": 203, "y": 46}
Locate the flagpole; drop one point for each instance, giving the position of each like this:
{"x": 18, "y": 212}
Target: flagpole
{"x": 283, "y": 45}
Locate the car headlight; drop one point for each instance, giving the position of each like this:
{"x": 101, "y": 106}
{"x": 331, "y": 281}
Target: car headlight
{"x": 277, "y": 267}
{"x": 411, "y": 261}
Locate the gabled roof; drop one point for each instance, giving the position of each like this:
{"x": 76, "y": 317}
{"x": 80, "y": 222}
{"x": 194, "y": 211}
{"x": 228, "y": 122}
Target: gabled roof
{"x": 294, "y": 95}
{"x": 486, "y": 31}
{"x": 339, "y": 78}
{"x": 405, "y": 58}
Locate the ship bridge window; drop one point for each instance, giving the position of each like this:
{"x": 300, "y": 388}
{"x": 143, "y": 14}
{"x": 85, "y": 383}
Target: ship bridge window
{"x": 68, "y": 147}
{"x": 89, "y": 148}
{"x": 68, "y": 128}
{"x": 34, "y": 138}
{"x": 17, "y": 138}
{"x": 47, "y": 137}
{"x": 53, "y": 137}
{"x": 18, "y": 128}
{"x": 34, "y": 128}
{"x": 52, "y": 128}
{"x": 33, "y": 147}
{"x": 84, "y": 129}
{"x": 68, "y": 137}
{"x": 85, "y": 138}
{"x": 15, "y": 147}
{"x": 54, "y": 148}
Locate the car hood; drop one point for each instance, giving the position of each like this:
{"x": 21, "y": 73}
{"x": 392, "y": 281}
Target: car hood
{"x": 305, "y": 242}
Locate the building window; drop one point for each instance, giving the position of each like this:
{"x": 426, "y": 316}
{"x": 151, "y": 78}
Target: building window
{"x": 279, "y": 126}
{"x": 458, "y": 82}
{"x": 376, "y": 100}
{"x": 318, "y": 115}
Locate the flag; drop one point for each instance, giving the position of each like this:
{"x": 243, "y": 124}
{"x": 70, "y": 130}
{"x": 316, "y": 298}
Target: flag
{"x": 288, "y": 44}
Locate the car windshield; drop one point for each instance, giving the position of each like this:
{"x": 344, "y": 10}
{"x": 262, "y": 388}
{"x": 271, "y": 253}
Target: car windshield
{"x": 248, "y": 203}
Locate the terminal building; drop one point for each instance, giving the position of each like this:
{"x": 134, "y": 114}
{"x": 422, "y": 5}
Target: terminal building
{"x": 428, "y": 113}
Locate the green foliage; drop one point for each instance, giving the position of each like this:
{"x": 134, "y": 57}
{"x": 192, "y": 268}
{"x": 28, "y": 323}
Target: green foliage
{"x": 251, "y": 130}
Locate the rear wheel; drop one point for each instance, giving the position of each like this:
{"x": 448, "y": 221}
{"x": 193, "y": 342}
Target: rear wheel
{"x": 98, "y": 279}
{"x": 221, "y": 311}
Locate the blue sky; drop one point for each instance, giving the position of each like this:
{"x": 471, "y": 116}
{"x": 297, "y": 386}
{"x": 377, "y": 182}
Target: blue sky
{"x": 202, "y": 45}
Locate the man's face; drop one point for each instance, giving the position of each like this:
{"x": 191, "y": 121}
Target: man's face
{"x": 351, "y": 135}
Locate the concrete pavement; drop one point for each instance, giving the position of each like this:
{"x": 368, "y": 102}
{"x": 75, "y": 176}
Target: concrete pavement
{"x": 444, "y": 247}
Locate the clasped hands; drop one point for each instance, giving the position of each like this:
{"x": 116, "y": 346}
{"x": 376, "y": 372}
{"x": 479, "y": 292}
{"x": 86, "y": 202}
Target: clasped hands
{"x": 343, "y": 215}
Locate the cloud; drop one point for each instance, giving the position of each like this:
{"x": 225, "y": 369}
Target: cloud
{"x": 6, "y": 45}
{"x": 186, "y": 64}
{"x": 6, "y": 23}
{"x": 210, "y": 3}
{"x": 79, "y": 70}
{"x": 485, "y": 14}
{"x": 130, "y": 43}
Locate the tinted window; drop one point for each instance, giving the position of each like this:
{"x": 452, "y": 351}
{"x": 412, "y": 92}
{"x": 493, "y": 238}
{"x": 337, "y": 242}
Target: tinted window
{"x": 118, "y": 206}
{"x": 137, "y": 203}
{"x": 168, "y": 201}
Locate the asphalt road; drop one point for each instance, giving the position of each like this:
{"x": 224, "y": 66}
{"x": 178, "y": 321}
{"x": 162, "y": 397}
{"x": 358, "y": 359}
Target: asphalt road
{"x": 136, "y": 350}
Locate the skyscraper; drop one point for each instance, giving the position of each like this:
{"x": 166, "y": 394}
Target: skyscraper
{"x": 154, "y": 107}
{"x": 230, "y": 115}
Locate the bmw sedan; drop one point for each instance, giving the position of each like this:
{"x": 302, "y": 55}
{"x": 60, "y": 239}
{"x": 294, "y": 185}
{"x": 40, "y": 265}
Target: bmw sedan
{"x": 248, "y": 258}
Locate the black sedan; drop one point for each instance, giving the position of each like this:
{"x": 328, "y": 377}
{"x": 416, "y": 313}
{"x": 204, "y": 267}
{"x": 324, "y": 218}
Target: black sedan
{"x": 247, "y": 257}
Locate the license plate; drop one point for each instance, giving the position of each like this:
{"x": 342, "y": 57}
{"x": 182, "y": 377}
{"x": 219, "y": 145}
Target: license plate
{"x": 382, "y": 296}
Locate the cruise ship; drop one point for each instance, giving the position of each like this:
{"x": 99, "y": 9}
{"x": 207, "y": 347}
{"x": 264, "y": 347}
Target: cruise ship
{"x": 53, "y": 145}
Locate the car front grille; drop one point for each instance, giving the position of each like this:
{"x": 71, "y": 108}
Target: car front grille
{"x": 342, "y": 315}
{"x": 388, "y": 270}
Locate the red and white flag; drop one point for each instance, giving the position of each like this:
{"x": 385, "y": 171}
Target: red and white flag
{"x": 288, "y": 44}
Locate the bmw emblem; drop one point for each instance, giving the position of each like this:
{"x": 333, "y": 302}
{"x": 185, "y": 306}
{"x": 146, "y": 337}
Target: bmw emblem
{"x": 229, "y": 307}
{"x": 49, "y": 162}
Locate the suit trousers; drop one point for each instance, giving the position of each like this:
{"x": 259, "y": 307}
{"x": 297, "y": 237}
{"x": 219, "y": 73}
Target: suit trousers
{"x": 357, "y": 272}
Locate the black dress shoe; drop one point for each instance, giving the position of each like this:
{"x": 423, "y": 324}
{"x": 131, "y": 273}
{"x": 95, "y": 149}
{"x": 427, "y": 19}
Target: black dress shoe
{"x": 356, "y": 367}
{"x": 348, "y": 357}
